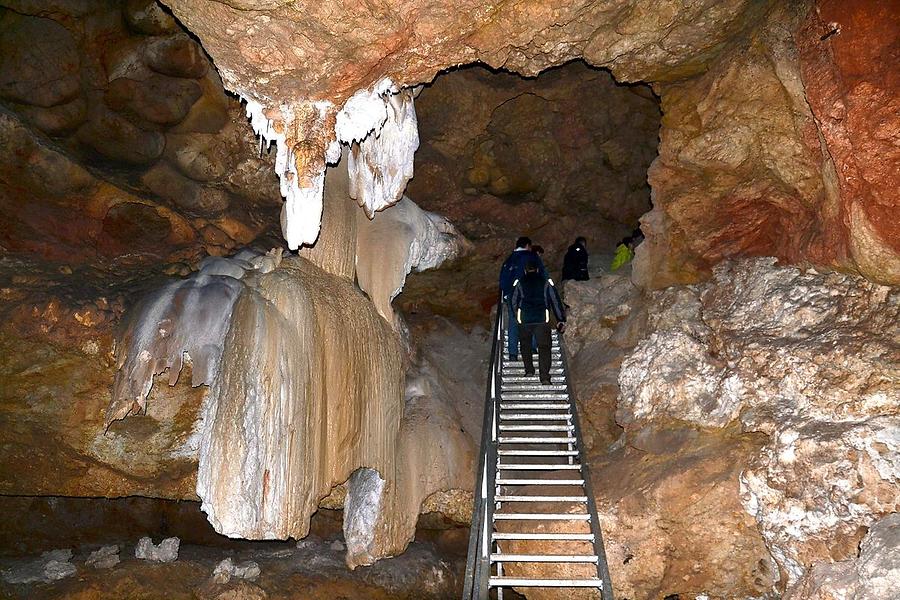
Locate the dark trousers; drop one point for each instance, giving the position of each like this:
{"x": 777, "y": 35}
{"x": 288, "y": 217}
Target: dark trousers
{"x": 541, "y": 332}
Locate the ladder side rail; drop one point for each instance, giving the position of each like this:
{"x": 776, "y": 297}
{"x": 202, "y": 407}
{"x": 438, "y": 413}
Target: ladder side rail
{"x": 478, "y": 563}
{"x": 599, "y": 550}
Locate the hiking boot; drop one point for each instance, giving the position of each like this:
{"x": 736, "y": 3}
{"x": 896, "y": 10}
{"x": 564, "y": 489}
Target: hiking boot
{"x": 545, "y": 381}
{"x": 529, "y": 373}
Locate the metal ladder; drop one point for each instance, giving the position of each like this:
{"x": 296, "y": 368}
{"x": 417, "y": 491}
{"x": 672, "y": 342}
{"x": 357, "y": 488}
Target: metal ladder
{"x": 531, "y": 441}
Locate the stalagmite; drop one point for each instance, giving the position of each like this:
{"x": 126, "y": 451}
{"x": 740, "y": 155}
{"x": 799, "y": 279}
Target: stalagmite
{"x": 310, "y": 390}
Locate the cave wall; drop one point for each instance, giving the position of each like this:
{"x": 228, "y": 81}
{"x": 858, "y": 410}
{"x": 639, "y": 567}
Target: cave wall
{"x": 121, "y": 139}
{"x": 749, "y": 165}
{"x": 747, "y": 168}
{"x": 552, "y": 157}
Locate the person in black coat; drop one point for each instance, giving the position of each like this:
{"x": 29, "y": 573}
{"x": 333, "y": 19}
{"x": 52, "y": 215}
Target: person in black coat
{"x": 533, "y": 298}
{"x": 575, "y": 263}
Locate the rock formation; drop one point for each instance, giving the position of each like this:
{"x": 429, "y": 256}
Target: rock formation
{"x": 305, "y": 381}
{"x": 728, "y": 183}
{"x": 806, "y": 359}
{"x": 552, "y": 157}
{"x": 120, "y": 139}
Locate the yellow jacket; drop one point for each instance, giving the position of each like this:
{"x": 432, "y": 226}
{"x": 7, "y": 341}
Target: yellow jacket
{"x": 623, "y": 256}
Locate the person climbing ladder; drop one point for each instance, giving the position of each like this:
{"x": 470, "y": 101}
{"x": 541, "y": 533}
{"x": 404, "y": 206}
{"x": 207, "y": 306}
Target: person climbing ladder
{"x": 534, "y": 295}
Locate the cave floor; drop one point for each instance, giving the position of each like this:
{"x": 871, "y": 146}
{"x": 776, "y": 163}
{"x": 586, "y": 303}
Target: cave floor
{"x": 312, "y": 569}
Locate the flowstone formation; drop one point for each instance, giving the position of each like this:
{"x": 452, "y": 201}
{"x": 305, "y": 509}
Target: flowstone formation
{"x": 809, "y": 361}
{"x": 306, "y": 385}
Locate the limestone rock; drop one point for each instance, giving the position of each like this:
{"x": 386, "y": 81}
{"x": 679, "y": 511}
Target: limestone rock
{"x": 79, "y": 56}
{"x": 56, "y": 120}
{"x": 165, "y": 552}
{"x": 853, "y": 94}
{"x": 157, "y": 99}
{"x": 176, "y": 56}
{"x": 807, "y": 358}
{"x": 192, "y": 198}
{"x": 118, "y": 139}
{"x": 227, "y": 569}
{"x": 105, "y": 558}
{"x": 51, "y": 566}
{"x": 148, "y": 17}
{"x": 40, "y": 61}
{"x": 873, "y": 575}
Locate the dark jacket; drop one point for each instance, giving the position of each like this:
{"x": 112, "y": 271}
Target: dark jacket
{"x": 575, "y": 263}
{"x": 533, "y": 297}
{"x": 514, "y": 268}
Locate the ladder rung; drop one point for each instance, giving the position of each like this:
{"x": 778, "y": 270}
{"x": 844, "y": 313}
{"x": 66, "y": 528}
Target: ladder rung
{"x": 537, "y": 452}
{"x": 502, "y": 498}
{"x": 541, "y": 517}
{"x": 569, "y": 537}
{"x": 532, "y": 396}
{"x": 540, "y": 481}
{"x": 527, "y": 406}
{"x": 537, "y": 387}
{"x": 535, "y": 427}
{"x": 524, "y": 582}
{"x": 534, "y": 417}
{"x": 519, "y": 369}
{"x": 555, "y": 379}
{"x": 537, "y": 440}
{"x": 551, "y": 558}
{"x": 538, "y": 467}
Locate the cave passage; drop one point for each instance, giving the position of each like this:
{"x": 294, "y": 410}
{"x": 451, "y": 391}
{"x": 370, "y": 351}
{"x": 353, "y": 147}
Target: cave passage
{"x": 552, "y": 157}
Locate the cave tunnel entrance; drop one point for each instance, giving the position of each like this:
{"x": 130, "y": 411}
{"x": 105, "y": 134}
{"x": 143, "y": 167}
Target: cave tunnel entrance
{"x": 555, "y": 156}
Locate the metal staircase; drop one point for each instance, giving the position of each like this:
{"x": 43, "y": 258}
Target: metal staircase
{"x": 532, "y": 486}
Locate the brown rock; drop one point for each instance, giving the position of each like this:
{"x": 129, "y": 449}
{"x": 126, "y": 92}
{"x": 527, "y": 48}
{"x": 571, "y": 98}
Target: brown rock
{"x": 39, "y": 64}
{"x": 148, "y": 17}
{"x": 194, "y": 199}
{"x": 213, "y": 109}
{"x": 852, "y": 88}
{"x": 158, "y": 99}
{"x": 56, "y": 120}
{"x": 118, "y": 139}
{"x": 176, "y": 56}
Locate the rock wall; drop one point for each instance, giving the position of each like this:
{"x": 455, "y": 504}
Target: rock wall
{"x": 845, "y": 52}
{"x": 764, "y": 154}
{"x": 807, "y": 363}
{"x": 552, "y": 157}
{"x": 121, "y": 139}
{"x": 668, "y": 494}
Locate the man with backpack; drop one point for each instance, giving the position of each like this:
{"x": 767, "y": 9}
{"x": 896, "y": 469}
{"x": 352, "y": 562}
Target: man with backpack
{"x": 512, "y": 270}
{"x": 533, "y": 297}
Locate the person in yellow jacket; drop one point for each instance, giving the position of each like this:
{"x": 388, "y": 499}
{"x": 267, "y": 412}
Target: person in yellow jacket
{"x": 624, "y": 254}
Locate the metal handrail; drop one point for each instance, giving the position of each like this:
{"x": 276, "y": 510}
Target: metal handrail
{"x": 599, "y": 548}
{"x": 478, "y": 564}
